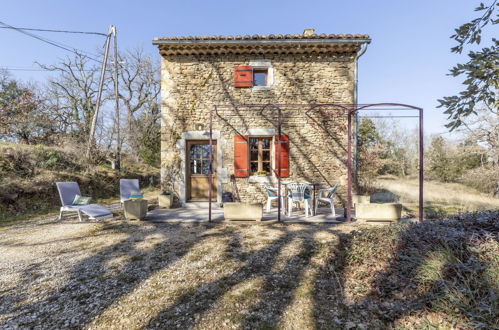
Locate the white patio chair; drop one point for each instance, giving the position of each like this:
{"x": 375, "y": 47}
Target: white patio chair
{"x": 67, "y": 192}
{"x": 272, "y": 195}
{"x": 128, "y": 187}
{"x": 327, "y": 196}
{"x": 298, "y": 193}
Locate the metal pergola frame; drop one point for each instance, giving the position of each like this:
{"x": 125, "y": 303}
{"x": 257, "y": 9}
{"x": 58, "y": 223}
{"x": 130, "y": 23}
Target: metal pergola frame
{"x": 350, "y": 110}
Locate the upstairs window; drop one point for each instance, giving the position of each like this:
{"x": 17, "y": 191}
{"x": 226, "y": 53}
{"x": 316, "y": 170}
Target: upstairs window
{"x": 260, "y": 77}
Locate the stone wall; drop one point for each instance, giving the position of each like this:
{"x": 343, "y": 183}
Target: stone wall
{"x": 191, "y": 86}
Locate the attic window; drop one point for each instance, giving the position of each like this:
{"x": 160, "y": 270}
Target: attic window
{"x": 260, "y": 77}
{"x": 263, "y": 74}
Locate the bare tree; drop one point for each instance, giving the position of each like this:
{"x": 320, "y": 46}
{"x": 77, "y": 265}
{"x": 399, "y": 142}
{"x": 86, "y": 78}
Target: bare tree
{"x": 138, "y": 93}
{"x": 73, "y": 93}
{"x": 484, "y": 130}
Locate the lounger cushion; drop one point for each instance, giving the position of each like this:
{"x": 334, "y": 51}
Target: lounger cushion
{"x": 81, "y": 200}
{"x": 136, "y": 195}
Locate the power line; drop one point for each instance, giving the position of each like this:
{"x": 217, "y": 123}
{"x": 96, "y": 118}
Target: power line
{"x": 53, "y": 43}
{"x": 48, "y": 30}
{"x": 33, "y": 69}
{"x": 21, "y": 69}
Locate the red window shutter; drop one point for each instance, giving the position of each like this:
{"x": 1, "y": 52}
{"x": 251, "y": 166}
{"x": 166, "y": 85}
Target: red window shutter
{"x": 243, "y": 76}
{"x": 241, "y": 162}
{"x": 284, "y": 160}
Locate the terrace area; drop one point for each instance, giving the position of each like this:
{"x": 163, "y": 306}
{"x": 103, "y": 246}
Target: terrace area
{"x": 198, "y": 212}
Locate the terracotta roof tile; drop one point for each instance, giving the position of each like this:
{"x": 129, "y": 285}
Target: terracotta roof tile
{"x": 262, "y": 44}
{"x": 268, "y": 36}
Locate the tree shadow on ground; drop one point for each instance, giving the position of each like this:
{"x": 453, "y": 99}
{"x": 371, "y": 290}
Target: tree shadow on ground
{"x": 91, "y": 286}
{"x": 413, "y": 274}
{"x": 275, "y": 294}
{"x": 372, "y": 278}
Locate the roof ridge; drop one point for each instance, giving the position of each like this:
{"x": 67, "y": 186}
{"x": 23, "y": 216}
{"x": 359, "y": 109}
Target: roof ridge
{"x": 267, "y": 37}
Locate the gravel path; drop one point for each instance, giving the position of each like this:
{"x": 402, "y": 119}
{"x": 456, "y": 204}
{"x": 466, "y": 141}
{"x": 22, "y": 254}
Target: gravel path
{"x": 122, "y": 274}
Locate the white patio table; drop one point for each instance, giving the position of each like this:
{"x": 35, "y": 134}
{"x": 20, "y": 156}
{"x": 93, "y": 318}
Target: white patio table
{"x": 313, "y": 185}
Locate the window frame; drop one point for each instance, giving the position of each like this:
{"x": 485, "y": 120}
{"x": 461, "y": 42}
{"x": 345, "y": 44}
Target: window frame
{"x": 260, "y": 161}
{"x": 262, "y": 65}
{"x": 201, "y": 159}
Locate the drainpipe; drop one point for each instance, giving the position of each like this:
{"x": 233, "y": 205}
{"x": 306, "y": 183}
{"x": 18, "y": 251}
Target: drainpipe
{"x": 356, "y": 118}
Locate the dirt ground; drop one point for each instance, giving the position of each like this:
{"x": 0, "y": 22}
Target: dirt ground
{"x": 122, "y": 274}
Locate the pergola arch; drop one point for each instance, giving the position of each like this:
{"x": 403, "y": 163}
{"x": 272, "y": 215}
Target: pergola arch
{"x": 350, "y": 110}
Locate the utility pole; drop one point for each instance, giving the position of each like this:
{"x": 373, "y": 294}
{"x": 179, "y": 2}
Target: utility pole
{"x": 117, "y": 164}
{"x": 99, "y": 94}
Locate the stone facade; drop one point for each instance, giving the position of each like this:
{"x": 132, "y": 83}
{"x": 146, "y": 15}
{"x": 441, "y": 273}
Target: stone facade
{"x": 191, "y": 85}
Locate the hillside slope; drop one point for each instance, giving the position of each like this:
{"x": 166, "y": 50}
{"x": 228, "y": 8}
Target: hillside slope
{"x": 28, "y": 175}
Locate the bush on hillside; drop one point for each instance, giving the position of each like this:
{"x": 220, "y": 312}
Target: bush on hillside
{"x": 442, "y": 163}
{"x": 54, "y": 159}
{"x": 484, "y": 179}
{"x": 16, "y": 162}
{"x": 447, "y": 269}
{"x": 150, "y": 147}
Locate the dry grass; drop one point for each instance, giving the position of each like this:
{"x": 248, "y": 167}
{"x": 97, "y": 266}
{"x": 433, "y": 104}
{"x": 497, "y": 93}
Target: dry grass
{"x": 440, "y": 198}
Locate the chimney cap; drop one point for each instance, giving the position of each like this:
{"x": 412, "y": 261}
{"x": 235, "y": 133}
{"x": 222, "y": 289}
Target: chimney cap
{"x": 308, "y": 32}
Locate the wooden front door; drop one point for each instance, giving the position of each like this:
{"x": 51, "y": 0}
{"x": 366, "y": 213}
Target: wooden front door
{"x": 198, "y": 162}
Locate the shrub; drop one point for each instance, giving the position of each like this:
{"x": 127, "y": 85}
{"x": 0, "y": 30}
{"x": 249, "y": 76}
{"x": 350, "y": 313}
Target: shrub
{"x": 54, "y": 159}
{"x": 442, "y": 163}
{"x": 17, "y": 162}
{"x": 484, "y": 179}
{"x": 150, "y": 148}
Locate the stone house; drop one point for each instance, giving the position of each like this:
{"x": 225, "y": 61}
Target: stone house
{"x": 242, "y": 80}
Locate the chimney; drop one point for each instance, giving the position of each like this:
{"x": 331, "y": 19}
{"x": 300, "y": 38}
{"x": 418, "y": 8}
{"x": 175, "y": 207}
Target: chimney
{"x": 308, "y": 32}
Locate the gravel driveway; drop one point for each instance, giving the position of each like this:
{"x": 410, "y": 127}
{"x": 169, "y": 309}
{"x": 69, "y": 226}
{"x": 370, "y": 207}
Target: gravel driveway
{"x": 120, "y": 274}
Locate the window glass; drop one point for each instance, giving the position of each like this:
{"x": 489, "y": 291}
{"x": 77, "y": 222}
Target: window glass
{"x": 200, "y": 158}
{"x": 206, "y": 167}
{"x": 205, "y": 150}
{"x": 195, "y": 151}
{"x": 260, "y": 155}
{"x": 254, "y": 167}
{"x": 265, "y": 143}
{"x": 254, "y": 144}
{"x": 266, "y": 167}
{"x": 260, "y": 77}
{"x": 195, "y": 166}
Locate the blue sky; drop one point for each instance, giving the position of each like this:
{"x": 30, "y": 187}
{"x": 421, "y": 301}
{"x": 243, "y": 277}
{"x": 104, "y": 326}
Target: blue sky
{"x": 407, "y": 61}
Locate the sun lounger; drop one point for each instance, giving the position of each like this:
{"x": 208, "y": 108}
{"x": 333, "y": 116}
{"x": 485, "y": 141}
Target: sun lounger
{"x": 68, "y": 191}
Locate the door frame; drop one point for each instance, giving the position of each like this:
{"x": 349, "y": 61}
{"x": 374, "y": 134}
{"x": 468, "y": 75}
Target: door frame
{"x": 188, "y": 144}
{"x": 181, "y": 146}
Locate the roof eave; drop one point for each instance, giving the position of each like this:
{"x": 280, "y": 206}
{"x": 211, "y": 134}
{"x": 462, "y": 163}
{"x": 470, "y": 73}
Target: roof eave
{"x": 160, "y": 42}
